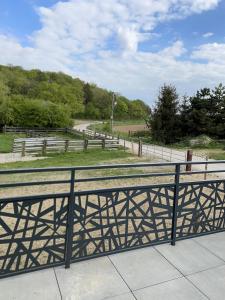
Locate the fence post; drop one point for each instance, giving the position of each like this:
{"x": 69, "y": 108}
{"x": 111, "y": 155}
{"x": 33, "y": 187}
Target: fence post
{"x": 4, "y": 129}
{"x": 23, "y": 148}
{"x": 139, "y": 148}
{"x": 44, "y": 147}
{"x": 83, "y": 134}
{"x": 124, "y": 145}
{"x": 85, "y": 144}
{"x": 189, "y": 158}
{"x": 175, "y": 204}
{"x": 66, "y": 145}
{"x": 103, "y": 143}
{"x": 70, "y": 221}
{"x": 206, "y": 168}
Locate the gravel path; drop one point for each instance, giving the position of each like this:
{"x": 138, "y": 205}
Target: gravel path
{"x": 166, "y": 154}
{"x": 14, "y": 157}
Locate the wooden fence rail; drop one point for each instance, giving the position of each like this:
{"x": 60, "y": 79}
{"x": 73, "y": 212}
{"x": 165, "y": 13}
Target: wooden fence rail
{"x": 43, "y": 146}
{"x": 8, "y": 129}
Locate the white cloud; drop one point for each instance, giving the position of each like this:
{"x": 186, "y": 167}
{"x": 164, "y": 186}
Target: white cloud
{"x": 99, "y": 41}
{"x": 212, "y": 52}
{"x": 208, "y": 34}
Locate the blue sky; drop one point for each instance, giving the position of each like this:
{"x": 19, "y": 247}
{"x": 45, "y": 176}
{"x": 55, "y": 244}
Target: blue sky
{"x": 129, "y": 46}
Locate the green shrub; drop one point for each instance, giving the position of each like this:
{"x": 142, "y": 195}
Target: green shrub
{"x": 37, "y": 113}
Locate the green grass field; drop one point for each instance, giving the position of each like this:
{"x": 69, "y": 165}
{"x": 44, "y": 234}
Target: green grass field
{"x": 89, "y": 157}
{"x": 6, "y": 141}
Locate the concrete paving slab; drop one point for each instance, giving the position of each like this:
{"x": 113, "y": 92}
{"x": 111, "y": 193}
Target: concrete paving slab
{"x": 94, "y": 279}
{"x": 214, "y": 242}
{"x": 143, "y": 267}
{"x": 189, "y": 257}
{"x": 178, "y": 289}
{"x": 37, "y": 285}
{"x": 211, "y": 282}
{"x": 122, "y": 297}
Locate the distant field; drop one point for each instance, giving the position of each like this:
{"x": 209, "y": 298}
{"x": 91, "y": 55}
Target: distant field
{"x": 132, "y": 128}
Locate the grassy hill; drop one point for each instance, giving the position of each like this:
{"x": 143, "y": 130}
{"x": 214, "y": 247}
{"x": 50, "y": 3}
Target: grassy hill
{"x": 48, "y": 99}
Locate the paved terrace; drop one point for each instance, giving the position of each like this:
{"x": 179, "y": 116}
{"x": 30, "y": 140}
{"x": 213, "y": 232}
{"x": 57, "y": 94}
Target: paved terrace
{"x": 193, "y": 269}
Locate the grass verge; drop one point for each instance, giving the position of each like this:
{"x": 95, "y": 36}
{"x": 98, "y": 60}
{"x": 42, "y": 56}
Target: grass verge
{"x": 6, "y": 141}
{"x": 89, "y": 157}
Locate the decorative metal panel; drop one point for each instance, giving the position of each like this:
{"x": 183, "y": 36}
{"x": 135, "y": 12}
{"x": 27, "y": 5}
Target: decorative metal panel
{"x": 201, "y": 208}
{"x": 113, "y": 221}
{"x": 32, "y": 233}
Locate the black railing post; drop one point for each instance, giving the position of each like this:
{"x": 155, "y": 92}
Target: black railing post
{"x": 70, "y": 220}
{"x": 175, "y": 205}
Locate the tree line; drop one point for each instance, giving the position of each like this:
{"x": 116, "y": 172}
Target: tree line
{"x": 49, "y": 99}
{"x": 174, "y": 119}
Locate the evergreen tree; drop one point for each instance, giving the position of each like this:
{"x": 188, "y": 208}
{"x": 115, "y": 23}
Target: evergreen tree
{"x": 200, "y": 112}
{"x": 218, "y": 111}
{"x": 165, "y": 117}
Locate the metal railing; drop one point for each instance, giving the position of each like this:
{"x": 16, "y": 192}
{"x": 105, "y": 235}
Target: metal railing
{"x": 57, "y": 228}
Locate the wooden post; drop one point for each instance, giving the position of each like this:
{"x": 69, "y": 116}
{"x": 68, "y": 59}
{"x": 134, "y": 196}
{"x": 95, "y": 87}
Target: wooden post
{"x": 44, "y": 147}
{"x": 83, "y": 134}
{"x": 4, "y": 129}
{"x": 206, "y": 168}
{"x": 103, "y": 144}
{"x": 66, "y": 145}
{"x": 139, "y": 148}
{"x": 23, "y": 148}
{"x": 124, "y": 145}
{"x": 189, "y": 158}
{"x": 85, "y": 144}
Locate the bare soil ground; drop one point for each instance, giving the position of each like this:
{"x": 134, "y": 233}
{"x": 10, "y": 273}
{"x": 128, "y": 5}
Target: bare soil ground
{"x": 127, "y": 128}
{"x": 39, "y": 245}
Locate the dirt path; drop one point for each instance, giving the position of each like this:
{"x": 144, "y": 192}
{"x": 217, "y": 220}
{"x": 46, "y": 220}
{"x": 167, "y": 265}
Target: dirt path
{"x": 14, "y": 157}
{"x": 164, "y": 153}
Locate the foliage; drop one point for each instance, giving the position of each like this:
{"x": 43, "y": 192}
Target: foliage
{"x": 164, "y": 120}
{"x": 38, "y": 113}
{"x": 59, "y": 92}
{"x": 201, "y": 114}
{"x": 204, "y": 113}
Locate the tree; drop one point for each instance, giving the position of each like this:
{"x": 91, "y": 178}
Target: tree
{"x": 88, "y": 95}
{"x": 218, "y": 111}
{"x": 165, "y": 117}
{"x": 200, "y": 115}
{"x": 121, "y": 109}
{"x": 138, "y": 109}
{"x": 80, "y": 99}
{"x": 6, "y": 112}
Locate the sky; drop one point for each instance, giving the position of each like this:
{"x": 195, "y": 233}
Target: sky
{"x": 128, "y": 46}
